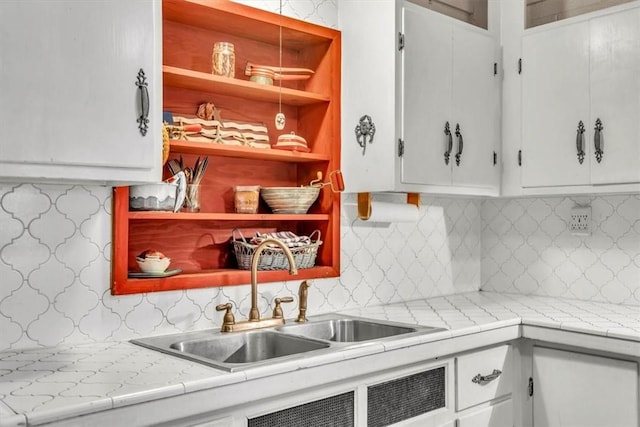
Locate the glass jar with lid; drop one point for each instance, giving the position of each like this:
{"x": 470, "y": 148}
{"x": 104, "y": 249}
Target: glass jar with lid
{"x": 223, "y": 59}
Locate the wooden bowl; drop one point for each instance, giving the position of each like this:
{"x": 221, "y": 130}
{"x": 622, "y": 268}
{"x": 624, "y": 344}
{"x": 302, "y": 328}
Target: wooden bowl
{"x": 289, "y": 200}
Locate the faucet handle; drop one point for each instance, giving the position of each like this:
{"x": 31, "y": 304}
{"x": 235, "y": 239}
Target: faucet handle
{"x": 277, "y": 310}
{"x": 228, "y": 321}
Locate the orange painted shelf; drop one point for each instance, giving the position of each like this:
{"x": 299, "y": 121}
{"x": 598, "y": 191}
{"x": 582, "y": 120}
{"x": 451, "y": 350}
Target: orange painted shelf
{"x": 200, "y": 243}
{"x": 201, "y": 148}
{"x": 203, "y": 216}
{"x": 207, "y": 82}
{"x": 222, "y": 277}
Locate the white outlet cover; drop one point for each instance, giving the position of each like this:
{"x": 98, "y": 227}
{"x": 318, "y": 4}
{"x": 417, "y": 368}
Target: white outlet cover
{"x": 580, "y": 221}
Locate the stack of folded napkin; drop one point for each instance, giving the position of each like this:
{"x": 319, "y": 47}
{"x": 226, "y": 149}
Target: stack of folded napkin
{"x": 290, "y": 239}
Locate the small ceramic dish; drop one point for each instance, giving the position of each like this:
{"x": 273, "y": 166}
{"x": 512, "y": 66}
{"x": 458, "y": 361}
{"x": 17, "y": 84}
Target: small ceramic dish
{"x": 153, "y": 265}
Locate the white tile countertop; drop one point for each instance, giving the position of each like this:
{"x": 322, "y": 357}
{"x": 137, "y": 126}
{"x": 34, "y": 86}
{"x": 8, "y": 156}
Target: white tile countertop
{"x": 51, "y": 384}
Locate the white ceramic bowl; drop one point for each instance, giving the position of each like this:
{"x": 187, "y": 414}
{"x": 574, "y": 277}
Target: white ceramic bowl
{"x": 153, "y": 265}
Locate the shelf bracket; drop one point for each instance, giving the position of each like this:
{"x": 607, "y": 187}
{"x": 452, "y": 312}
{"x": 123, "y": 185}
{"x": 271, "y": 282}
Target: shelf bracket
{"x": 413, "y": 199}
{"x": 364, "y": 206}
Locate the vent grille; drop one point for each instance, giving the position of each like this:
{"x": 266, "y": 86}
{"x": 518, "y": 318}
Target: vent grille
{"x": 334, "y": 411}
{"x": 397, "y": 400}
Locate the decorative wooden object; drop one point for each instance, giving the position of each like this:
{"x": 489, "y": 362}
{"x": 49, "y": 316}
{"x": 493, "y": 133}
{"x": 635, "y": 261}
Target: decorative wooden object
{"x": 199, "y": 243}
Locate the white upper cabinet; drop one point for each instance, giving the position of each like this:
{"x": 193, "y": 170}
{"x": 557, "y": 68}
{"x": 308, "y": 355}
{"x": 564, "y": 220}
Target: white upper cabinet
{"x": 451, "y": 103}
{"x": 71, "y": 104}
{"x": 581, "y": 102}
{"x": 412, "y": 71}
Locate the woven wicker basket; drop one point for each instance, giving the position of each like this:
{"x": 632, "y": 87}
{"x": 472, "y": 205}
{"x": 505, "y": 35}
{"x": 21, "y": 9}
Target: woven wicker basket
{"x": 275, "y": 258}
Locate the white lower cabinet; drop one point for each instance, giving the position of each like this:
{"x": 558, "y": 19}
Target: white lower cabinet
{"x": 498, "y": 415}
{"x": 484, "y": 386}
{"x": 519, "y": 383}
{"x": 220, "y": 422}
{"x": 419, "y": 395}
{"x": 576, "y": 389}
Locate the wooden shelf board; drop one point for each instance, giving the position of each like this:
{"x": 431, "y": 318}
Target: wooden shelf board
{"x": 210, "y": 278}
{"x": 201, "y": 148}
{"x": 201, "y": 216}
{"x": 246, "y": 22}
{"x": 206, "y": 82}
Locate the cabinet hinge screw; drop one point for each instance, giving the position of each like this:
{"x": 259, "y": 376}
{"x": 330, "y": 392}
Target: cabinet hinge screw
{"x": 400, "y": 41}
{"x": 400, "y": 148}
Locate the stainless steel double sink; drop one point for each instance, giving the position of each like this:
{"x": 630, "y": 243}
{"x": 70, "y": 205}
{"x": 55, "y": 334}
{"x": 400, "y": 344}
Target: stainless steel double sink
{"x": 241, "y": 350}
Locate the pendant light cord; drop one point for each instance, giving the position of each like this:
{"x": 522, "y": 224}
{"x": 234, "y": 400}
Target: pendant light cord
{"x": 280, "y": 62}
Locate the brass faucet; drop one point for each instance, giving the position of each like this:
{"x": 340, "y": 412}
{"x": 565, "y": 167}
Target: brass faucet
{"x": 254, "y": 321}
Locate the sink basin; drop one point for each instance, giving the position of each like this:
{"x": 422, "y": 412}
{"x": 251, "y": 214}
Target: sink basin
{"x": 248, "y": 347}
{"x": 348, "y": 330}
{"x": 232, "y": 351}
{"x": 235, "y": 351}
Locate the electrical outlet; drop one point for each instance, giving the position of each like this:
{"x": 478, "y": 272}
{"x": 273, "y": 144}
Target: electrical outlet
{"x": 580, "y": 221}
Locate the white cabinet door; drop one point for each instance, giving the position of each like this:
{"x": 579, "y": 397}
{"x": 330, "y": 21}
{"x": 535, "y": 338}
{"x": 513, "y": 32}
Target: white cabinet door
{"x": 575, "y": 74}
{"x": 574, "y": 389}
{"x": 369, "y": 46}
{"x": 408, "y": 93}
{"x": 426, "y": 96}
{"x": 476, "y": 108}
{"x": 555, "y": 99}
{"x": 615, "y": 96}
{"x": 70, "y": 104}
{"x": 447, "y": 75}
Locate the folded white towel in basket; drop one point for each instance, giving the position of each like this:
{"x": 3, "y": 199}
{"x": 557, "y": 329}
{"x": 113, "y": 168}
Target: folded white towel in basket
{"x": 290, "y": 239}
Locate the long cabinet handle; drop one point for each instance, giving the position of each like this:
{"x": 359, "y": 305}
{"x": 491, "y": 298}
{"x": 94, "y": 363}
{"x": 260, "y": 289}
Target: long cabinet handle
{"x": 460, "y": 145}
{"x": 447, "y": 153}
{"x": 143, "y": 119}
{"x": 598, "y": 140}
{"x": 580, "y": 142}
{"x": 485, "y": 379}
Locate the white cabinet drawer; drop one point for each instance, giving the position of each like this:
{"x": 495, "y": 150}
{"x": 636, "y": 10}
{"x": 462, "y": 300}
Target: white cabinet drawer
{"x": 500, "y": 415}
{"x": 483, "y": 376}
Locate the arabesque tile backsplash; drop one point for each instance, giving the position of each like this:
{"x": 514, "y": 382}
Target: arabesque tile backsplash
{"x": 528, "y": 249}
{"x": 55, "y": 250}
{"x": 55, "y": 272}
{"x": 54, "y": 264}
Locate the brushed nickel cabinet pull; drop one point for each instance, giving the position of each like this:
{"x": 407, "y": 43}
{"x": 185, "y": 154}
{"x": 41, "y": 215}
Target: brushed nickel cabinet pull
{"x": 460, "y": 145}
{"x": 580, "y": 142}
{"x": 447, "y": 153}
{"x": 598, "y": 141}
{"x": 485, "y": 379}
